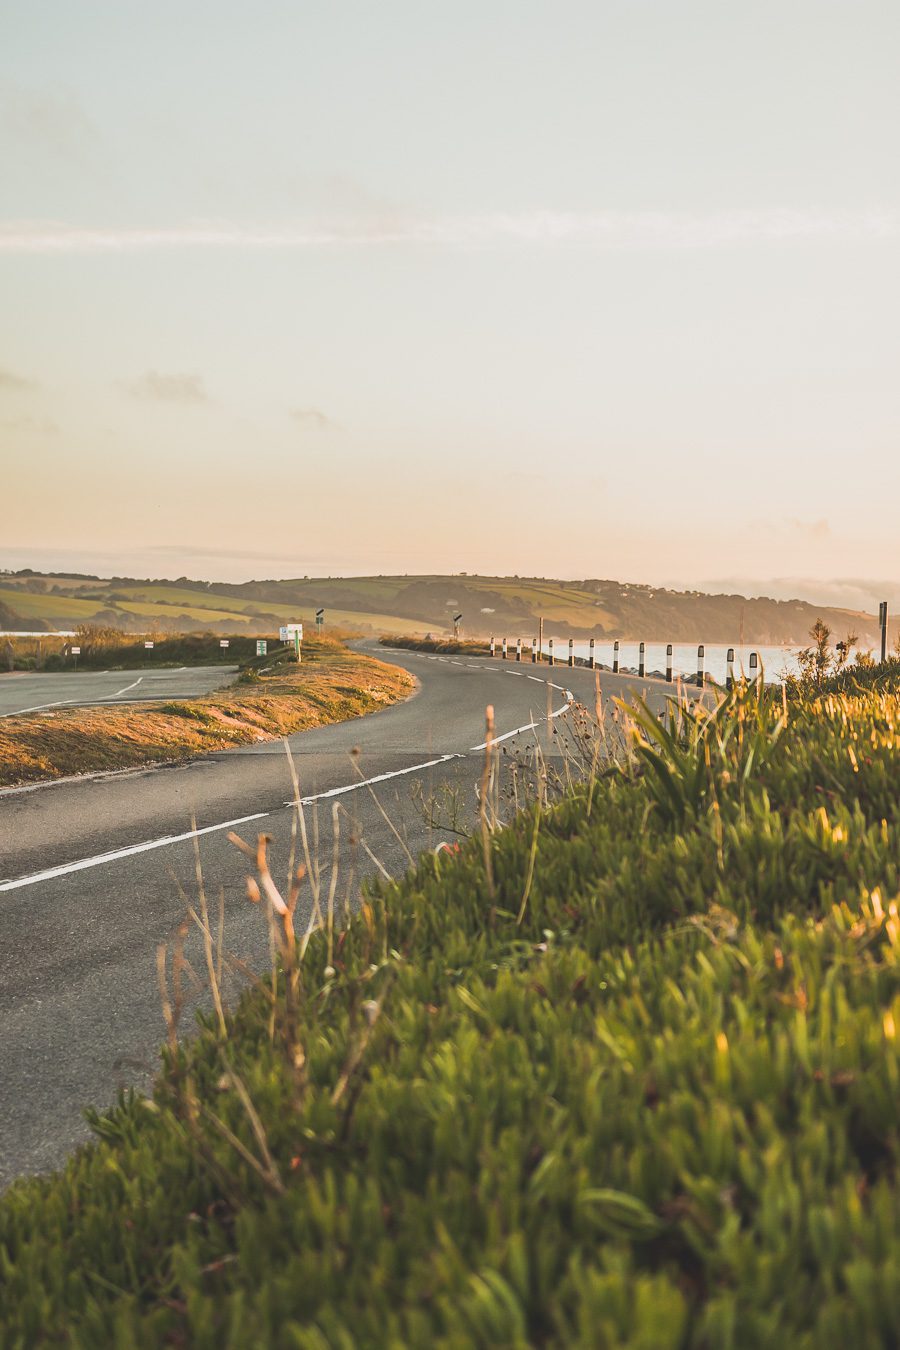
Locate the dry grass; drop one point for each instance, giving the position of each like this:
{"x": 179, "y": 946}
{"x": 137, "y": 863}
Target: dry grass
{"x": 447, "y": 646}
{"x": 332, "y": 685}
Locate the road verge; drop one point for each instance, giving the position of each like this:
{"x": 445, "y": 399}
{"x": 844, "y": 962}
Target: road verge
{"x": 273, "y": 697}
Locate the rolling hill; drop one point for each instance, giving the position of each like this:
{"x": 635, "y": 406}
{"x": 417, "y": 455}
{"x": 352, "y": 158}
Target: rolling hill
{"x": 416, "y": 604}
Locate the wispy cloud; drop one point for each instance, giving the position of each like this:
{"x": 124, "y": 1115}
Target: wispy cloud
{"x": 312, "y": 417}
{"x": 38, "y": 426}
{"x": 607, "y": 230}
{"x": 166, "y": 388}
{"x": 53, "y": 122}
{"x": 10, "y": 381}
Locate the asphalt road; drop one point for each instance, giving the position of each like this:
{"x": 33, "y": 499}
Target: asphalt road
{"x": 28, "y": 691}
{"x": 94, "y": 872}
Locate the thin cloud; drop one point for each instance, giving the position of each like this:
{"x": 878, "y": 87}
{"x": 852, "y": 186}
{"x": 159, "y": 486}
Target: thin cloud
{"x": 602, "y": 230}
{"x": 53, "y": 122}
{"x": 39, "y": 426}
{"x": 167, "y": 388}
{"x": 312, "y": 417}
{"x": 10, "y": 381}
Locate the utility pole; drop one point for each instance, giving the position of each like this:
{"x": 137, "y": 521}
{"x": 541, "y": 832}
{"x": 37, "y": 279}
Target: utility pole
{"x": 883, "y": 624}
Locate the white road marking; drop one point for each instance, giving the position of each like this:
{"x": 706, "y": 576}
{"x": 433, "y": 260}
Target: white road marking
{"x": 19, "y": 712}
{"x": 107, "y": 697}
{"x": 379, "y": 778}
{"x": 64, "y": 702}
{"x": 84, "y": 863}
{"x": 529, "y": 726}
{"x": 428, "y": 764}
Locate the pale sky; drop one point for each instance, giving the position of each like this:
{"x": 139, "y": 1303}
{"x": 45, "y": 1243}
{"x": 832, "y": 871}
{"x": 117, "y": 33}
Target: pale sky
{"x": 576, "y": 288}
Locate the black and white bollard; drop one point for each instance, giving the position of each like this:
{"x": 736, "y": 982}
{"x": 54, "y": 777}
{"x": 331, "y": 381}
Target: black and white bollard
{"x": 701, "y": 654}
{"x": 534, "y": 651}
{"x": 571, "y": 651}
{"x": 518, "y": 649}
{"x": 503, "y": 653}
{"x": 616, "y": 657}
{"x": 668, "y": 663}
{"x": 642, "y": 664}
{"x": 591, "y": 662}
{"x": 550, "y": 646}
{"x": 729, "y": 668}
{"x": 493, "y": 646}
{"x": 754, "y": 665}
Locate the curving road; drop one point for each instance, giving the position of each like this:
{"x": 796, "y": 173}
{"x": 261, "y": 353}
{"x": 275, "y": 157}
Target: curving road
{"x": 92, "y": 871}
{"x": 29, "y": 691}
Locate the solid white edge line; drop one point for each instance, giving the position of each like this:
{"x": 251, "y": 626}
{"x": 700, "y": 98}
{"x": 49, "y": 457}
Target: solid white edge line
{"x": 106, "y": 697}
{"x": 66, "y": 868}
{"x": 65, "y": 702}
{"x": 40, "y": 707}
{"x": 529, "y": 726}
{"x": 379, "y": 778}
{"x": 427, "y": 764}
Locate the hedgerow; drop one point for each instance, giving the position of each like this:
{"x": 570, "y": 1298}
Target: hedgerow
{"x": 637, "y": 1086}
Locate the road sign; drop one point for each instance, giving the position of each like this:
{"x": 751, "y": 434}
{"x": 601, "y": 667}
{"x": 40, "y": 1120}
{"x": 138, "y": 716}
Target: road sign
{"x": 149, "y": 646}
{"x": 320, "y": 619}
{"x": 223, "y": 642}
{"x": 76, "y": 651}
{"x": 260, "y": 646}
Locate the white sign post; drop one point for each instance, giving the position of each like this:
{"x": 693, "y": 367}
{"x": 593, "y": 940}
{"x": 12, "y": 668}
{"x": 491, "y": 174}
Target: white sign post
{"x": 292, "y": 633}
{"x": 223, "y": 642}
{"x": 76, "y": 652}
{"x": 148, "y": 646}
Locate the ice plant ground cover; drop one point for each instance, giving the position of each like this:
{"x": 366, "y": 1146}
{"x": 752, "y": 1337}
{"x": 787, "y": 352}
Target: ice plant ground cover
{"x": 622, "y": 1074}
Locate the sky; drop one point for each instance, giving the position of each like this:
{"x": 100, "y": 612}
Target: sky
{"x": 583, "y": 289}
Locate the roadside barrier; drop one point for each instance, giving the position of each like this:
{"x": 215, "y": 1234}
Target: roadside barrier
{"x": 591, "y": 660}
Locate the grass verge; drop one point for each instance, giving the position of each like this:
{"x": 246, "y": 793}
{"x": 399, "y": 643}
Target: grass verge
{"x": 445, "y": 645}
{"x": 632, "y": 1082}
{"x": 273, "y": 697}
